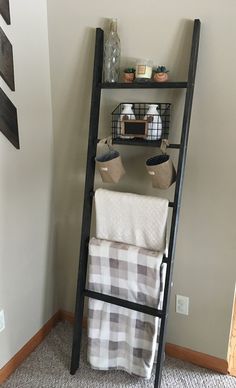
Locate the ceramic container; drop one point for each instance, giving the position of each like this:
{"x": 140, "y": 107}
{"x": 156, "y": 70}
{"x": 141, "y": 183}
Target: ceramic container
{"x": 154, "y": 123}
{"x": 128, "y": 77}
{"x": 160, "y": 77}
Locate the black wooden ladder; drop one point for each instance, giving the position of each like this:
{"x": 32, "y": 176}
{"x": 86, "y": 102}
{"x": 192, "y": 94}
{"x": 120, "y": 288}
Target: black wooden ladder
{"x": 89, "y": 192}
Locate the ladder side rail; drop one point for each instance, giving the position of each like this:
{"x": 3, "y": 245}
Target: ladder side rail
{"x": 177, "y": 196}
{"x": 88, "y": 199}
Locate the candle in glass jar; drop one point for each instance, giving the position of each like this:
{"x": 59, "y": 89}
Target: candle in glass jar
{"x": 144, "y": 69}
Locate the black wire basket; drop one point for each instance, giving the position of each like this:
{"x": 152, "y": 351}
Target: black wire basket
{"x": 140, "y": 124}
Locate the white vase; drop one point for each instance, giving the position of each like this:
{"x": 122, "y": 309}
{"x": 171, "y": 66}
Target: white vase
{"x": 155, "y": 124}
{"x": 128, "y": 113}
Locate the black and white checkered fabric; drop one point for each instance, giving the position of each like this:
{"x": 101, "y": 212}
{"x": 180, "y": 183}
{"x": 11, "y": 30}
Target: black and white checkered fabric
{"x": 119, "y": 338}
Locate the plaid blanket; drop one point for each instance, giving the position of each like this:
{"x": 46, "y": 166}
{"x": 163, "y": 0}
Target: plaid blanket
{"x": 119, "y": 338}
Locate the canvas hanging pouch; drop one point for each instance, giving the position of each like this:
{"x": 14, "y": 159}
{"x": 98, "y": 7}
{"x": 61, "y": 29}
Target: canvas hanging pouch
{"x": 161, "y": 169}
{"x": 109, "y": 163}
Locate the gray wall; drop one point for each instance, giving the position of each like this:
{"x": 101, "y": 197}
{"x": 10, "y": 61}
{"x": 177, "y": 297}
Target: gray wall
{"x": 26, "y": 257}
{"x": 205, "y": 258}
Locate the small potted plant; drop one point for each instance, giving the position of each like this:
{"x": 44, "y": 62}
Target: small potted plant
{"x": 129, "y": 74}
{"x": 160, "y": 74}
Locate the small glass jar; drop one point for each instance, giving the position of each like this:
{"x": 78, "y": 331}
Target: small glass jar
{"x": 143, "y": 70}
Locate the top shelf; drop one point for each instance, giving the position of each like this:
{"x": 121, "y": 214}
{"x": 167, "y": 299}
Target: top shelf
{"x": 144, "y": 85}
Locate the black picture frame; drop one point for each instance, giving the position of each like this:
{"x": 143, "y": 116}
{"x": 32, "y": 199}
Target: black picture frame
{"x": 6, "y": 60}
{"x": 5, "y": 10}
{"x": 8, "y": 119}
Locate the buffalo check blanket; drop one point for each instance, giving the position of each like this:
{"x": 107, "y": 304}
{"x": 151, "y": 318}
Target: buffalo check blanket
{"x": 119, "y": 338}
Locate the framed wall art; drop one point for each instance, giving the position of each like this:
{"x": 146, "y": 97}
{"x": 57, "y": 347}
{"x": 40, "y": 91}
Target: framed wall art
{"x": 8, "y": 119}
{"x": 6, "y": 60}
{"x": 5, "y": 10}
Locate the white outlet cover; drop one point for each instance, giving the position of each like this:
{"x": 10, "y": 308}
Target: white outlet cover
{"x": 2, "y": 321}
{"x": 182, "y": 304}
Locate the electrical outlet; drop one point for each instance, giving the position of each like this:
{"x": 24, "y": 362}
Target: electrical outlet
{"x": 2, "y": 321}
{"x": 182, "y": 304}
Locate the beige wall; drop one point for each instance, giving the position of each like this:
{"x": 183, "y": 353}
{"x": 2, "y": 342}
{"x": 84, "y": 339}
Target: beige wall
{"x": 26, "y": 260}
{"x": 205, "y": 259}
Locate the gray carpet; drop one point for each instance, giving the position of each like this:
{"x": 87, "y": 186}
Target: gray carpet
{"x": 47, "y": 367}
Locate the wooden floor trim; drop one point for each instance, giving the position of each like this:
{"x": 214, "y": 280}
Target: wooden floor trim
{"x": 232, "y": 344}
{"x": 70, "y": 317}
{"x": 24, "y": 352}
{"x": 197, "y": 358}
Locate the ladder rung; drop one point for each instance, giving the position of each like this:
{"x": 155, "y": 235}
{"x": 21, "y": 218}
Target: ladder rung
{"x": 124, "y": 303}
{"x": 171, "y": 204}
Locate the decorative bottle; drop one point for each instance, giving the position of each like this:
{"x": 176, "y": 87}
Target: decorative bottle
{"x": 154, "y": 123}
{"x": 112, "y": 54}
{"x": 127, "y": 113}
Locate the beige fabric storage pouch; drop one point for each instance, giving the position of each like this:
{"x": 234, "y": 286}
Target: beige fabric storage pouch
{"x": 162, "y": 171}
{"x": 110, "y": 166}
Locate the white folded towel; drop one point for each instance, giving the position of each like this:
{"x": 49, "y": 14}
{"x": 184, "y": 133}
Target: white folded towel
{"x": 134, "y": 219}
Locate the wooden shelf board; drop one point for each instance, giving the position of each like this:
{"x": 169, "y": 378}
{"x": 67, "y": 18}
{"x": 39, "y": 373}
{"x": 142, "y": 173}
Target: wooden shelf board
{"x": 144, "y": 85}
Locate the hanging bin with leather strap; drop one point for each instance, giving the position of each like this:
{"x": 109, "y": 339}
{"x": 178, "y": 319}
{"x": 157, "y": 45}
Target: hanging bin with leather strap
{"x": 161, "y": 169}
{"x": 110, "y": 164}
